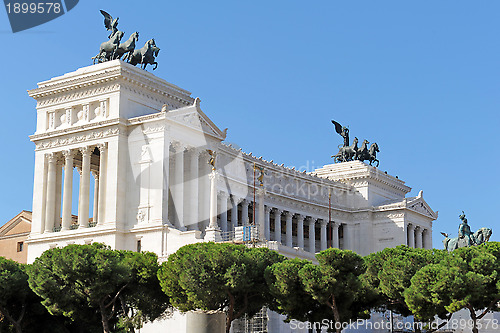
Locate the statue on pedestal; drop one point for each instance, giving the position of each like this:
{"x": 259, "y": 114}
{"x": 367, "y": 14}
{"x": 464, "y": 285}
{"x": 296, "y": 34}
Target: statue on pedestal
{"x": 114, "y": 49}
{"x": 352, "y": 152}
{"x": 465, "y": 236}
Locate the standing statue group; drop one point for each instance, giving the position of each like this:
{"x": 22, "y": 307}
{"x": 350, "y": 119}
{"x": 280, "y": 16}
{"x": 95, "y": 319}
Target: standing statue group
{"x": 114, "y": 49}
{"x": 466, "y": 237}
{"x": 352, "y": 152}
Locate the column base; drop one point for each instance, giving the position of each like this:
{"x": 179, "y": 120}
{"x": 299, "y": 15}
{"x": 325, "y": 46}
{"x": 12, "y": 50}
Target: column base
{"x": 213, "y": 235}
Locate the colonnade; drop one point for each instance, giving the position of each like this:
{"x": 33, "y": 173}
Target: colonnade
{"x": 198, "y": 204}
{"x": 418, "y": 237}
{"x": 53, "y": 219}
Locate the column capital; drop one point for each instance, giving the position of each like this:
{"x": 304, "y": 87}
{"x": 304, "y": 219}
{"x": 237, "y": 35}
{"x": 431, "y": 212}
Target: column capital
{"x": 300, "y": 218}
{"x": 95, "y": 173}
{"x": 194, "y": 150}
{"x": 86, "y": 150}
{"x": 51, "y": 157}
{"x": 177, "y": 146}
{"x": 268, "y": 209}
{"x": 68, "y": 154}
{"x": 311, "y": 220}
{"x": 288, "y": 214}
{"x": 411, "y": 226}
{"x": 323, "y": 222}
{"x": 418, "y": 228}
{"x": 336, "y": 225}
{"x": 278, "y": 211}
{"x": 214, "y": 175}
{"x": 223, "y": 194}
{"x": 102, "y": 147}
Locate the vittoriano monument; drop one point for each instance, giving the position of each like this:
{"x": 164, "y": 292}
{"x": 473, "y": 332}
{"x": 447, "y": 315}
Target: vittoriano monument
{"x": 465, "y": 236}
{"x": 352, "y": 152}
{"x": 114, "y": 49}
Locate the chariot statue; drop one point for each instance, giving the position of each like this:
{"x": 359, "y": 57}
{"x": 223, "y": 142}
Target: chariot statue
{"x": 113, "y": 48}
{"x": 351, "y": 152}
{"x": 466, "y": 237}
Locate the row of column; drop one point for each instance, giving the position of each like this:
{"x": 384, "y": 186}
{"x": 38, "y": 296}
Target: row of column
{"x": 244, "y": 204}
{"x": 66, "y": 159}
{"x": 300, "y": 220}
{"x": 189, "y": 186}
{"x": 196, "y": 200}
{"x": 418, "y": 237}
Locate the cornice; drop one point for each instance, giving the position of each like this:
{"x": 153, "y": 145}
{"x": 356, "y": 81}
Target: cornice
{"x": 81, "y": 84}
{"x": 75, "y": 129}
{"x": 54, "y": 141}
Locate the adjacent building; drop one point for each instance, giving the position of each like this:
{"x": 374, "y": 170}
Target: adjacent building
{"x": 13, "y": 236}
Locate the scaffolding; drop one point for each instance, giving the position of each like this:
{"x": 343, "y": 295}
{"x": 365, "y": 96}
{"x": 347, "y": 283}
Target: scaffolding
{"x": 255, "y": 324}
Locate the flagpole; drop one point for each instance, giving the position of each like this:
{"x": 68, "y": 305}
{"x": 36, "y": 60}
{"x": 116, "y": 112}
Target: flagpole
{"x": 253, "y": 206}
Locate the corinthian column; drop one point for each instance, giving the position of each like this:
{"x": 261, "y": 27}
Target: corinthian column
{"x": 96, "y": 197}
{"x": 335, "y": 236}
{"x": 244, "y": 212}
{"x": 267, "y": 217}
{"x": 312, "y": 235}
{"x": 418, "y": 240}
{"x": 83, "y": 211}
{"x": 411, "y": 235}
{"x": 223, "y": 210}
{"x": 213, "y": 200}
{"x": 261, "y": 218}
{"x": 178, "y": 184}
{"x": 277, "y": 225}
{"x": 289, "y": 239}
{"x": 101, "y": 201}
{"x": 193, "y": 189}
{"x": 234, "y": 212}
{"x": 300, "y": 231}
{"x": 324, "y": 244}
{"x": 68, "y": 189}
{"x": 51, "y": 193}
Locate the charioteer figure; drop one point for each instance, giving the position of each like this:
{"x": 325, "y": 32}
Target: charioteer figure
{"x": 114, "y": 49}
{"x": 352, "y": 152}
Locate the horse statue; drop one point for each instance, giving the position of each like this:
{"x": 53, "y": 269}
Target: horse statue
{"x": 107, "y": 49}
{"x": 362, "y": 152}
{"x": 126, "y": 48}
{"x": 372, "y": 153}
{"x": 145, "y": 55}
{"x": 479, "y": 237}
{"x": 346, "y": 153}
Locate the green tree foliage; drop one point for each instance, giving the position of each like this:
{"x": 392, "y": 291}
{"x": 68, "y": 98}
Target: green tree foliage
{"x": 336, "y": 283}
{"x": 217, "y": 276}
{"x": 467, "y": 278}
{"x": 92, "y": 284}
{"x": 389, "y": 272}
{"x": 289, "y": 292}
{"x": 20, "y": 307}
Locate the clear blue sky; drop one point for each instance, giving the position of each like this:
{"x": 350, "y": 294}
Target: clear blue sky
{"x": 421, "y": 78}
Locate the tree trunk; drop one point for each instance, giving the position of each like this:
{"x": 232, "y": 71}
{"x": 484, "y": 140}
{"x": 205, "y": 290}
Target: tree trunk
{"x": 18, "y": 328}
{"x": 474, "y": 319}
{"x": 336, "y": 315}
{"x": 16, "y": 323}
{"x": 229, "y": 314}
{"x": 104, "y": 319}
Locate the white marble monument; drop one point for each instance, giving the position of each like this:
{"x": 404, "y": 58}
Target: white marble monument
{"x": 139, "y": 144}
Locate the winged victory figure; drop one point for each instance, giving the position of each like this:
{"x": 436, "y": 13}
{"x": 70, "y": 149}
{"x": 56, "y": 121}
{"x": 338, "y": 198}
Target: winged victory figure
{"x": 110, "y": 23}
{"x": 342, "y": 131}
